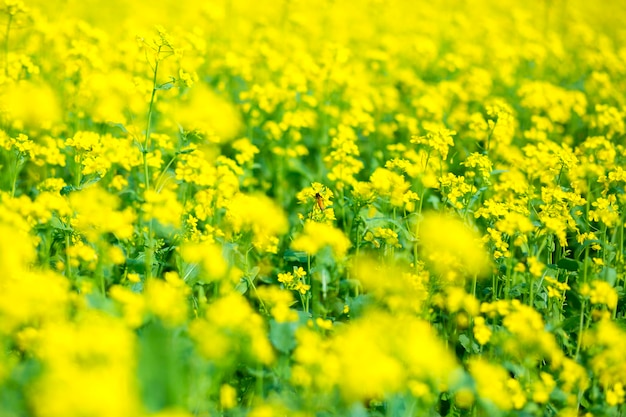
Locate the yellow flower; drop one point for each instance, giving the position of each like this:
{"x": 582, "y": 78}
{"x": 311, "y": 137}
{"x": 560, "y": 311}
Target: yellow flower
{"x": 94, "y": 353}
{"x": 495, "y": 385}
{"x": 482, "y": 332}
{"x": 167, "y": 300}
{"x": 228, "y": 396}
{"x": 600, "y": 292}
{"x": 451, "y": 247}
{"x": 387, "y": 183}
{"x": 285, "y": 278}
{"x": 209, "y": 256}
{"x": 302, "y": 288}
{"x": 316, "y": 236}
{"x": 162, "y": 206}
{"x": 260, "y": 215}
{"x": 232, "y": 331}
{"x": 279, "y": 300}
{"x": 98, "y": 212}
{"x": 438, "y": 139}
{"x": 133, "y": 304}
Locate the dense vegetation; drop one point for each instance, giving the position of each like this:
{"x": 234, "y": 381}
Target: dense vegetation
{"x": 332, "y": 208}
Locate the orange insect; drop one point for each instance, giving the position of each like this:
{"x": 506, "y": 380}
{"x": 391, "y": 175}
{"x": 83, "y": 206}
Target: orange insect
{"x": 320, "y": 201}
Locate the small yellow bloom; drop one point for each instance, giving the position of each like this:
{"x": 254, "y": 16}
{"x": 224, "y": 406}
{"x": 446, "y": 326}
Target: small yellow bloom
{"x": 228, "y": 396}
{"x": 133, "y": 277}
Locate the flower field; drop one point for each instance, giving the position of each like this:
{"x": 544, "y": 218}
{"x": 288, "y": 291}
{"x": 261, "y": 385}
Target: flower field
{"x": 331, "y": 208}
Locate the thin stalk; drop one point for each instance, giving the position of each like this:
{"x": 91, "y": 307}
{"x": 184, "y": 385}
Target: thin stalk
{"x": 259, "y": 381}
{"x": 100, "y": 274}
{"x": 308, "y": 298}
{"x": 494, "y": 287}
{"x": 146, "y": 146}
{"x": 78, "y": 174}
{"x": 158, "y": 181}
{"x": 621, "y": 247}
{"x": 417, "y": 227}
{"x": 251, "y": 283}
{"x": 149, "y": 251}
{"x": 531, "y": 290}
{"x": 509, "y": 277}
{"x": 474, "y": 282}
{"x": 358, "y": 243}
{"x": 68, "y": 265}
{"x": 580, "y": 329}
{"x": 16, "y": 170}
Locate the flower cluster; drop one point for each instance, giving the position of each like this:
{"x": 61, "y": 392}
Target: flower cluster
{"x": 364, "y": 208}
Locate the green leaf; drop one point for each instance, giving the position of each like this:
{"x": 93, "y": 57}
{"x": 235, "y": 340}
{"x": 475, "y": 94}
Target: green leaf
{"x": 242, "y": 287}
{"x": 568, "y": 264}
{"x": 610, "y": 275}
{"x": 166, "y": 85}
{"x": 571, "y": 324}
{"x": 185, "y": 151}
{"x": 58, "y": 224}
{"x": 466, "y": 343}
{"x": 252, "y": 274}
{"x": 585, "y": 245}
{"x": 282, "y": 336}
{"x": 67, "y": 189}
{"x": 295, "y": 256}
{"x": 163, "y": 366}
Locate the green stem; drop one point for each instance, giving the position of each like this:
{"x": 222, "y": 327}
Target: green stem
{"x": 68, "y": 265}
{"x": 259, "y": 381}
{"x": 358, "y": 243}
{"x": 531, "y": 290}
{"x": 149, "y": 251}
{"x": 158, "y": 181}
{"x": 147, "y": 148}
{"x": 621, "y": 248}
{"x": 251, "y": 283}
{"x": 417, "y": 227}
{"x": 16, "y": 170}
{"x": 474, "y": 282}
{"x": 303, "y": 302}
{"x": 580, "y": 329}
{"x": 507, "y": 287}
{"x": 309, "y": 297}
{"x": 78, "y": 175}
{"x": 100, "y": 272}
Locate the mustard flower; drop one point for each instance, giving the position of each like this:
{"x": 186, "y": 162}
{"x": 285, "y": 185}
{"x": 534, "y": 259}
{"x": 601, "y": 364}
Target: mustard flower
{"x": 495, "y": 385}
{"x": 605, "y": 210}
{"x": 260, "y": 215}
{"x": 600, "y": 292}
{"x": 451, "y": 247}
{"x": 162, "y": 206}
{"x": 167, "y": 299}
{"x": 209, "y": 255}
{"x": 437, "y": 138}
{"x": 316, "y": 236}
{"x": 319, "y": 199}
{"x": 279, "y": 301}
{"x": 100, "y": 356}
{"x": 387, "y": 183}
{"x": 232, "y": 330}
{"x": 98, "y": 212}
{"x": 481, "y": 163}
{"x": 482, "y": 332}
{"x": 399, "y": 289}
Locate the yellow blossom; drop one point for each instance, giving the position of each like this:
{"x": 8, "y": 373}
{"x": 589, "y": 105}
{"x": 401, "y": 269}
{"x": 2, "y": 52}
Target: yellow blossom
{"x": 316, "y": 236}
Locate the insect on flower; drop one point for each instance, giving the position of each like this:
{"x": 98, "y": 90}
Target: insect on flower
{"x": 319, "y": 201}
